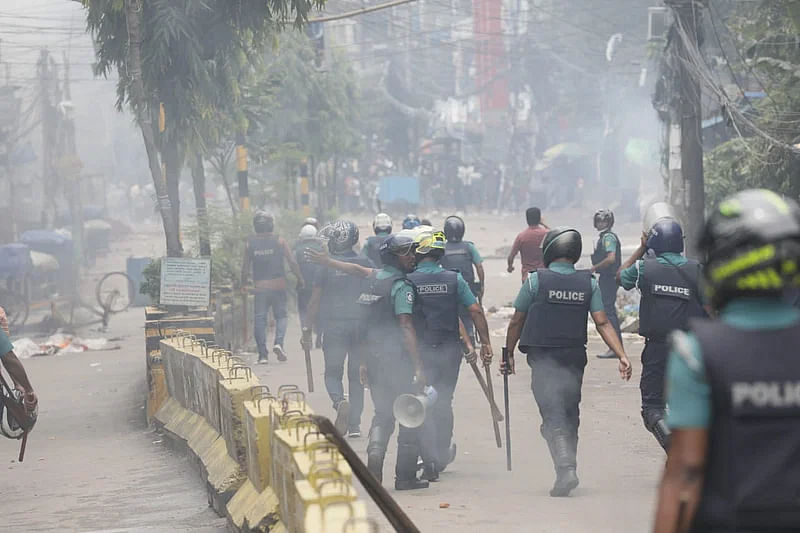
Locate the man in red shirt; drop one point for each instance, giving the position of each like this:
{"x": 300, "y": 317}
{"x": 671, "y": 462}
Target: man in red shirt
{"x": 529, "y": 244}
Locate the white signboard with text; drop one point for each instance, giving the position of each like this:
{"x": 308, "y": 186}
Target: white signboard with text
{"x": 185, "y": 281}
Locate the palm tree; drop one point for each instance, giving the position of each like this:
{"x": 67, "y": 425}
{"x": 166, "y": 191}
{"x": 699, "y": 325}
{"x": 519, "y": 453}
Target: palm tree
{"x": 187, "y": 58}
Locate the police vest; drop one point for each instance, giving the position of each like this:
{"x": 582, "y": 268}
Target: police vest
{"x": 600, "y": 253}
{"x": 753, "y": 472}
{"x": 266, "y": 253}
{"x": 669, "y": 298}
{"x": 437, "y": 293}
{"x": 457, "y": 257}
{"x": 373, "y": 249}
{"x": 560, "y": 310}
{"x": 382, "y": 331}
{"x": 340, "y": 292}
{"x": 308, "y": 269}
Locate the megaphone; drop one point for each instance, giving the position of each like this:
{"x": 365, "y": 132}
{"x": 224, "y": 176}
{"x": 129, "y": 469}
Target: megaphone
{"x": 410, "y": 409}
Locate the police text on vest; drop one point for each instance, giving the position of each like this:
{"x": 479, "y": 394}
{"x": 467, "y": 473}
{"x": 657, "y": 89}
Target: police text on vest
{"x": 566, "y": 296}
{"x": 766, "y": 394}
{"x": 433, "y": 288}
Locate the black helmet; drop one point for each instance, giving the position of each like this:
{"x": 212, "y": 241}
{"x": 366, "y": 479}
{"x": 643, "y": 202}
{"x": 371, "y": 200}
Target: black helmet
{"x": 604, "y": 217}
{"x": 382, "y": 223}
{"x": 411, "y": 221}
{"x": 342, "y": 236}
{"x": 751, "y": 244}
{"x": 666, "y": 235}
{"x": 562, "y": 243}
{"x": 263, "y": 222}
{"x": 310, "y": 221}
{"x": 394, "y": 246}
{"x": 454, "y": 228}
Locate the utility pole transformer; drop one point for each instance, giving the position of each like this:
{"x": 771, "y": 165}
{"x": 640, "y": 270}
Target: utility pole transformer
{"x": 686, "y": 183}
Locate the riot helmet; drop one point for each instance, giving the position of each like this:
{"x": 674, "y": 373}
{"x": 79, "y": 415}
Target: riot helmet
{"x": 382, "y": 224}
{"x": 454, "y": 228}
{"x": 307, "y": 232}
{"x": 430, "y": 244}
{"x": 398, "y": 251}
{"x": 411, "y": 221}
{"x": 263, "y": 222}
{"x": 562, "y": 242}
{"x": 425, "y": 222}
{"x": 751, "y": 246}
{"x": 666, "y": 235}
{"x": 342, "y": 237}
{"x": 311, "y": 221}
{"x": 603, "y": 219}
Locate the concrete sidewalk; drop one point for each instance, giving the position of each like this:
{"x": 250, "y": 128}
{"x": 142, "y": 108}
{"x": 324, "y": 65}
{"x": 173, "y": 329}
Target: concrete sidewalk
{"x": 91, "y": 463}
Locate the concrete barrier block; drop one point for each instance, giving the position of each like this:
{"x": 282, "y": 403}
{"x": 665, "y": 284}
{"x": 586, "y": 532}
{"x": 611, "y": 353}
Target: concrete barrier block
{"x": 257, "y": 433}
{"x": 338, "y": 517}
{"x": 234, "y": 388}
{"x": 224, "y": 476}
{"x": 252, "y": 510}
{"x": 208, "y": 376}
{"x": 298, "y": 435}
{"x": 320, "y": 492}
{"x": 157, "y": 389}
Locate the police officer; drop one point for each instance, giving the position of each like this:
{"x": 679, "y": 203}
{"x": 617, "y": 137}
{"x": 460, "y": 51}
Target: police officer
{"x": 306, "y": 238}
{"x": 461, "y": 256}
{"x": 266, "y": 253}
{"x": 549, "y": 323}
{"x": 732, "y": 383}
{"x": 606, "y": 260}
{"x": 668, "y": 283}
{"x": 393, "y": 364}
{"x": 335, "y": 310}
{"x": 441, "y": 294}
{"x": 411, "y": 221}
{"x": 382, "y": 226}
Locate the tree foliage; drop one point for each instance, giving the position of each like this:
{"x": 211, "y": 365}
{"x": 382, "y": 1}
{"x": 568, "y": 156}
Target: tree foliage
{"x": 767, "y": 34}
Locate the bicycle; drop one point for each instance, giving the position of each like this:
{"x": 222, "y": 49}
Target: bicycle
{"x": 113, "y": 293}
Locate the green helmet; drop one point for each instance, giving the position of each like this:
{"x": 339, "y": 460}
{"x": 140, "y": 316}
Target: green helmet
{"x": 751, "y": 244}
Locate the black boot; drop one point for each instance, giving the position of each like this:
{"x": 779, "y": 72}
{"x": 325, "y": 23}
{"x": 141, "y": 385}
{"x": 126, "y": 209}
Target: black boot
{"x": 430, "y": 472}
{"x": 662, "y": 433}
{"x": 376, "y": 451}
{"x": 563, "y": 450}
{"x": 406, "y": 469}
{"x": 654, "y": 422}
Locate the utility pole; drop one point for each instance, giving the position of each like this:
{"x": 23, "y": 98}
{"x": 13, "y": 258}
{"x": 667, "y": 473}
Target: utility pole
{"x": 686, "y": 183}
{"x": 71, "y": 166}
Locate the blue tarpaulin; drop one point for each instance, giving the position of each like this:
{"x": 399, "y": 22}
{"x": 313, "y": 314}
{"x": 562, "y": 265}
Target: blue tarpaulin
{"x": 15, "y": 261}
{"x": 395, "y": 189}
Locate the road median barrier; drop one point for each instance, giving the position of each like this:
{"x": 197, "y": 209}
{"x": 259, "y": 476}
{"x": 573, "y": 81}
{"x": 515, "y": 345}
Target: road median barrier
{"x": 265, "y": 464}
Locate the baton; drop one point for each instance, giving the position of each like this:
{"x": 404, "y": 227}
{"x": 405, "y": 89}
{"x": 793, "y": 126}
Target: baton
{"x": 496, "y": 415}
{"x": 508, "y": 418}
{"x": 307, "y": 336}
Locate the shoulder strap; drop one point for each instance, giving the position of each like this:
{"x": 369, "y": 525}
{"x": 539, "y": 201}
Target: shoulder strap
{"x": 693, "y": 284}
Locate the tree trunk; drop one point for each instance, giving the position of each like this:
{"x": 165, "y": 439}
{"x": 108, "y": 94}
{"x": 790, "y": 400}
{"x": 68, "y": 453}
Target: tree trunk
{"x": 133, "y": 15}
{"x": 174, "y": 162}
{"x": 199, "y": 183}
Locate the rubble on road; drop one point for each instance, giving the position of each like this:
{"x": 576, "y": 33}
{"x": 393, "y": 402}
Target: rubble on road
{"x": 60, "y": 343}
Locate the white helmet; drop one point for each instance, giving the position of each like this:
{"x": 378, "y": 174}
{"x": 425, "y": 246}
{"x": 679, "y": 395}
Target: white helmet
{"x": 307, "y": 232}
{"x": 382, "y": 223}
